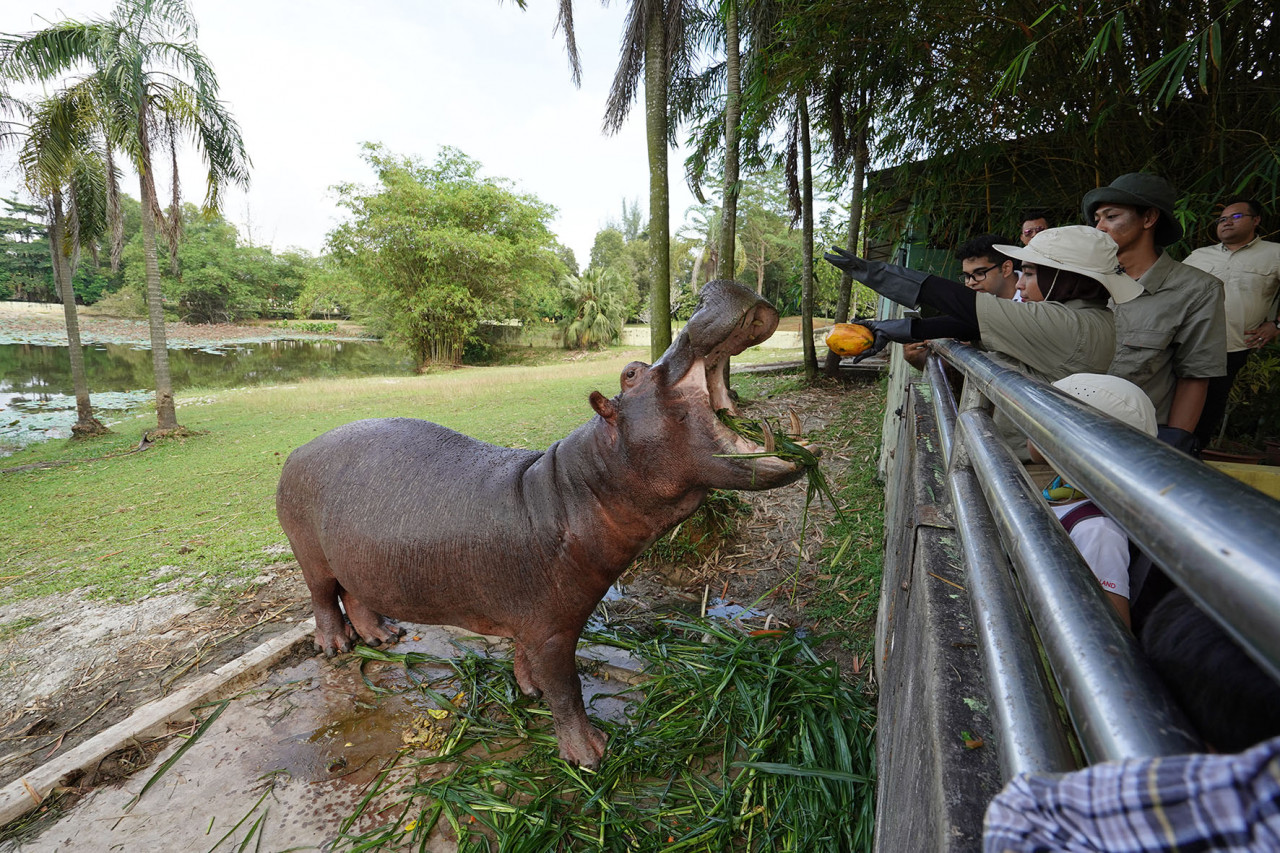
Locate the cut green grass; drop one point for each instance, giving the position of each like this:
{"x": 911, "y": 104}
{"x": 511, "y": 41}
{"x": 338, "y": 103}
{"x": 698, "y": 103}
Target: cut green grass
{"x": 734, "y": 742}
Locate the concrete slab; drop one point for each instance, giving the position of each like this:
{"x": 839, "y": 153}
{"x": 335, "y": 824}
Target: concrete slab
{"x": 290, "y": 757}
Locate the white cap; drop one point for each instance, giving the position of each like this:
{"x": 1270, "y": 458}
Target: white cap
{"x": 1111, "y": 395}
{"x": 1079, "y": 249}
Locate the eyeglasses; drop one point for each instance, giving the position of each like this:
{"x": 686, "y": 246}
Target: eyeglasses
{"x": 1230, "y": 217}
{"x": 977, "y": 275}
{"x": 1031, "y": 232}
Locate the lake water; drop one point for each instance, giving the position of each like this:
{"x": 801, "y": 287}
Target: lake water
{"x": 37, "y": 399}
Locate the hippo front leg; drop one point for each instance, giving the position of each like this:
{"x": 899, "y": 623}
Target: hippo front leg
{"x": 553, "y": 668}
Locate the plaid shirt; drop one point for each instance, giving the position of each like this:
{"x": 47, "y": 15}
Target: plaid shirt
{"x": 1185, "y": 803}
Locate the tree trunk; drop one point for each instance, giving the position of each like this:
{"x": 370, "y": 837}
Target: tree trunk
{"x": 860, "y": 156}
{"x": 732, "y": 111}
{"x": 173, "y": 234}
{"x": 86, "y": 424}
{"x": 166, "y": 415}
{"x": 114, "y": 215}
{"x": 806, "y": 293}
{"x": 655, "y": 104}
{"x": 760, "y": 270}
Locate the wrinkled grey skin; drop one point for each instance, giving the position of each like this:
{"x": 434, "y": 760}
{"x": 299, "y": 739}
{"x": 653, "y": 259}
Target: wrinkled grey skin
{"x": 406, "y": 519}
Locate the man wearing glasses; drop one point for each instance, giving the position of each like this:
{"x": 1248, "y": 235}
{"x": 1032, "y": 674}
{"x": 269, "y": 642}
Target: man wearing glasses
{"x": 1250, "y": 271}
{"x": 986, "y": 270}
{"x": 1171, "y": 340}
{"x": 1033, "y": 222}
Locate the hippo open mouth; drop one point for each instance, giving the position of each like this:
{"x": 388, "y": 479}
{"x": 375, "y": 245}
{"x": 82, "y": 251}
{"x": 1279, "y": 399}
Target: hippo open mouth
{"x": 729, "y": 319}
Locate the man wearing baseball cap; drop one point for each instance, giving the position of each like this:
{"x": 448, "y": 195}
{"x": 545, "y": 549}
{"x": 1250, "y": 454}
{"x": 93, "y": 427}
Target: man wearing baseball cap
{"x": 1171, "y": 339}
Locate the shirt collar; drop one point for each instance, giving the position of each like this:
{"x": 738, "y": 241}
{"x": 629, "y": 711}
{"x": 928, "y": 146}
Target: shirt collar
{"x": 1153, "y": 279}
{"x": 1223, "y": 246}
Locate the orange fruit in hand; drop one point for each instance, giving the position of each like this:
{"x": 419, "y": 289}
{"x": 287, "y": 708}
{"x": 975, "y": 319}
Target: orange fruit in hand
{"x": 849, "y": 339}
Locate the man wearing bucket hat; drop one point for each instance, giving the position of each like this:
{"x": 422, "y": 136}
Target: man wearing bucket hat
{"x": 1071, "y": 331}
{"x": 1171, "y": 339}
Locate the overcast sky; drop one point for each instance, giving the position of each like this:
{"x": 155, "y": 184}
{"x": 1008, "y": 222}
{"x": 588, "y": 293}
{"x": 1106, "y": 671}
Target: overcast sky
{"x": 308, "y": 82}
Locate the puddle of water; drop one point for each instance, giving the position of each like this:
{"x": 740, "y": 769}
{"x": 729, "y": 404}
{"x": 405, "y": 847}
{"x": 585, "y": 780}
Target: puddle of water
{"x": 334, "y": 727}
{"x": 720, "y": 609}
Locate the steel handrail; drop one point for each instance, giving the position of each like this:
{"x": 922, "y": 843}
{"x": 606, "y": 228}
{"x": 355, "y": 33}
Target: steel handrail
{"x": 1217, "y": 538}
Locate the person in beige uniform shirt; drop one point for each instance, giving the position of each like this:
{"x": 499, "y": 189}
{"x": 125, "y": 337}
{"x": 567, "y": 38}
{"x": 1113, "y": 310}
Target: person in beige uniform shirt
{"x": 1250, "y": 271}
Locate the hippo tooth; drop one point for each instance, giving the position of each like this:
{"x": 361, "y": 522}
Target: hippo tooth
{"x": 768, "y": 436}
{"x": 796, "y": 431}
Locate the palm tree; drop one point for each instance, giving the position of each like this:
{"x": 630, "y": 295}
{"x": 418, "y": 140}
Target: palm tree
{"x": 151, "y": 76}
{"x": 64, "y": 166}
{"x": 653, "y": 45}
{"x": 595, "y": 308}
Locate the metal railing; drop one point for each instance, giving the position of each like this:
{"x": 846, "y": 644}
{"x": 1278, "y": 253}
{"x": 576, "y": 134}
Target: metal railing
{"x": 1216, "y": 538}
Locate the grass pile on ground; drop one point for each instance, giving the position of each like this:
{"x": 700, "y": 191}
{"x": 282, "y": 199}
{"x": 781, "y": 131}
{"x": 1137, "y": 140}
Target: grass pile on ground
{"x": 736, "y": 742}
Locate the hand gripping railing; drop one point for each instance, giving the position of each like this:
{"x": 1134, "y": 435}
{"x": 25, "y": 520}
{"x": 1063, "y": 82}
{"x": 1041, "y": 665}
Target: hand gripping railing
{"x": 1217, "y": 539}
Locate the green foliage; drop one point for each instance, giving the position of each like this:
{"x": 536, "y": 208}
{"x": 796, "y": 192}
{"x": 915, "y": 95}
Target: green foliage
{"x": 594, "y": 308}
{"x": 438, "y": 248}
{"x": 329, "y": 290}
{"x": 89, "y": 284}
{"x": 1253, "y": 410}
{"x": 26, "y": 270}
{"x": 310, "y": 326}
{"x": 220, "y": 280}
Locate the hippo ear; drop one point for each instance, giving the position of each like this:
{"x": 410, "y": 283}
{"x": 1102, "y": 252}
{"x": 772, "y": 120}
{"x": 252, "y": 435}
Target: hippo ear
{"x": 604, "y": 407}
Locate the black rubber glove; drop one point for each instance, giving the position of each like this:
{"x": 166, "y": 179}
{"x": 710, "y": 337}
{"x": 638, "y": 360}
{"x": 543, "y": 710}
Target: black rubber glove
{"x": 1179, "y": 439}
{"x": 898, "y": 331}
{"x": 897, "y": 284}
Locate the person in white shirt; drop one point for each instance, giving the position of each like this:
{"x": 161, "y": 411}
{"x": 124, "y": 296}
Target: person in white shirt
{"x": 1101, "y": 541}
{"x": 1250, "y": 271}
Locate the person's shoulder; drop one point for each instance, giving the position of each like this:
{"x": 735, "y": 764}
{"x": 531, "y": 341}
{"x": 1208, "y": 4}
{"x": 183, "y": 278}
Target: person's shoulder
{"x": 1205, "y": 257}
{"x": 1191, "y": 277}
{"x": 1266, "y": 249}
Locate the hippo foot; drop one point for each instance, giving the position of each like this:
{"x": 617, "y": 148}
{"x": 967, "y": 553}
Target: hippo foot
{"x": 383, "y": 631}
{"x": 374, "y": 628}
{"x": 584, "y": 746}
{"x": 332, "y": 644}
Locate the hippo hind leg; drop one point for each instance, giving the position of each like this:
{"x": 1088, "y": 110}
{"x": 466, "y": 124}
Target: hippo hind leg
{"x": 552, "y": 667}
{"x": 374, "y": 628}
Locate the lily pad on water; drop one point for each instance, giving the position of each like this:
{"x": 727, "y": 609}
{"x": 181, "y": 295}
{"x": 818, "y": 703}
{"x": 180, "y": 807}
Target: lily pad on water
{"x": 28, "y": 420}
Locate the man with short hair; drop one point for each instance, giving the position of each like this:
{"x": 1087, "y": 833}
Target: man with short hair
{"x": 986, "y": 269}
{"x": 1171, "y": 340}
{"x": 1250, "y": 271}
{"x": 1034, "y": 221}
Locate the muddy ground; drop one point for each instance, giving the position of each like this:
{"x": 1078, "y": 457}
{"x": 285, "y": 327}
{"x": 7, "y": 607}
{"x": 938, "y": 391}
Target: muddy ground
{"x": 71, "y": 668}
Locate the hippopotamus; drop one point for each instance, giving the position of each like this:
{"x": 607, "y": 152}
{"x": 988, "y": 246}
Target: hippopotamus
{"x": 397, "y": 518}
